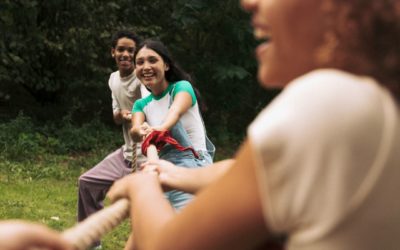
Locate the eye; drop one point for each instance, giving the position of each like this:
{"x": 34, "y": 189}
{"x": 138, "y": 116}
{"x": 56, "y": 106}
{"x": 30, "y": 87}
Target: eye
{"x": 139, "y": 61}
{"x": 121, "y": 49}
{"x": 153, "y": 60}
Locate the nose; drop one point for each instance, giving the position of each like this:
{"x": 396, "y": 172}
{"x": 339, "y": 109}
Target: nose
{"x": 125, "y": 53}
{"x": 249, "y": 5}
{"x": 146, "y": 65}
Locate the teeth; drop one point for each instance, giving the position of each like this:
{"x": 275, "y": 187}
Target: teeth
{"x": 261, "y": 34}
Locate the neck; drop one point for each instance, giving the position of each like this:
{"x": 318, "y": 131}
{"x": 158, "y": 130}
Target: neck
{"x": 158, "y": 90}
{"x": 125, "y": 73}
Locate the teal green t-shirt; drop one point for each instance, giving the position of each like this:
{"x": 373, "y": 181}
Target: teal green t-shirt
{"x": 176, "y": 87}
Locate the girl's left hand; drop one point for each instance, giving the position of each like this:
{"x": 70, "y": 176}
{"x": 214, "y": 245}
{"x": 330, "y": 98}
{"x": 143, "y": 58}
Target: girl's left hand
{"x": 158, "y": 128}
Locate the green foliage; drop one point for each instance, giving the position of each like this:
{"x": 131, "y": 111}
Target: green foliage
{"x": 19, "y": 140}
{"x": 22, "y": 140}
{"x": 55, "y": 56}
{"x": 32, "y": 152}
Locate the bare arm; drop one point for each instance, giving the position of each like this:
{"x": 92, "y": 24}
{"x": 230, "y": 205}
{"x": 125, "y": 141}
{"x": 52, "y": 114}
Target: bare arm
{"x": 190, "y": 180}
{"x": 20, "y": 235}
{"x": 138, "y": 131}
{"x": 226, "y": 215}
{"x": 182, "y": 102}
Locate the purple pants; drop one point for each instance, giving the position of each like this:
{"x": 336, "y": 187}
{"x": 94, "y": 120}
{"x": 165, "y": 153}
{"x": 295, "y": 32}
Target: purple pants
{"x": 95, "y": 183}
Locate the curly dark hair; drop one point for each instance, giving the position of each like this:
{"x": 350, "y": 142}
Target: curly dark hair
{"x": 368, "y": 35}
{"x": 124, "y": 33}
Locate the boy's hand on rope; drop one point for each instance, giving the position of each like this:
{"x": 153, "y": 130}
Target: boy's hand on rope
{"x": 126, "y": 115}
{"x": 128, "y": 186}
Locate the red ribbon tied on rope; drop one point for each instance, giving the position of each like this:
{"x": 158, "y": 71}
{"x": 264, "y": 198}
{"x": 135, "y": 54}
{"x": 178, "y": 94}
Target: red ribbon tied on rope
{"x": 160, "y": 138}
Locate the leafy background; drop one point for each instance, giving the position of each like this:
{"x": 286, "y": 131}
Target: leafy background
{"x": 55, "y": 56}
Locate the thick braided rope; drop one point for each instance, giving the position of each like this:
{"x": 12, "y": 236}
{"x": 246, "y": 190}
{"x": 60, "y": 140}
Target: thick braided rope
{"x": 84, "y": 234}
{"x": 134, "y": 157}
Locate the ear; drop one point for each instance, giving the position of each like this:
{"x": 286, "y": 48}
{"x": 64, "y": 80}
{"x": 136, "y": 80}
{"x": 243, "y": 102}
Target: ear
{"x": 112, "y": 52}
{"x": 166, "y": 67}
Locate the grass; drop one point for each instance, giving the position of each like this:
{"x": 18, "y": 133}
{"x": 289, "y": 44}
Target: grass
{"x": 50, "y": 200}
{"x": 47, "y": 201}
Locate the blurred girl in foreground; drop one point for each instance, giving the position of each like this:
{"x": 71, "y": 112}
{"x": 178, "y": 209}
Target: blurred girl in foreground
{"x": 321, "y": 162}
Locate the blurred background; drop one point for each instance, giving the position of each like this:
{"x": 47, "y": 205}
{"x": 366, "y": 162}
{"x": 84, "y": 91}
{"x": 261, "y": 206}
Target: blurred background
{"x": 55, "y": 57}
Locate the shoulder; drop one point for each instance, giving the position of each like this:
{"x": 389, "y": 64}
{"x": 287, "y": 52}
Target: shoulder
{"x": 332, "y": 93}
{"x": 325, "y": 103}
{"x": 324, "y": 126}
{"x": 113, "y": 80}
{"x": 140, "y": 104}
{"x": 184, "y": 86}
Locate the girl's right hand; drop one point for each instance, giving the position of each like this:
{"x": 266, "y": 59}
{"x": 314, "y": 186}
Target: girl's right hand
{"x": 145, "y": 129}
{"x": 139, "y": 133}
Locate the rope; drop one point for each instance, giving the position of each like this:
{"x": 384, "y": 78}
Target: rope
{"x": 134, "y": 158}
{"x": 84, "y": 234}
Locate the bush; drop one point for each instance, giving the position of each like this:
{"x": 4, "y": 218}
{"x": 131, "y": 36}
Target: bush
{"x": 23, "y": 140}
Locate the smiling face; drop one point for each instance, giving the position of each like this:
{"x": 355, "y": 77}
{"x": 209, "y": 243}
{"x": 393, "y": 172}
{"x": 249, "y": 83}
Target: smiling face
{"x": 123, "y": 54}
{"x": 150, "y": 69}
{"x": 293, "y": 30}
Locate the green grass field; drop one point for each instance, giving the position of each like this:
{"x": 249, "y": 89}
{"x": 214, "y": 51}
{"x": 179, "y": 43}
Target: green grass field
{"x": 46, "y": 192}
{"x": 48, "y": 200}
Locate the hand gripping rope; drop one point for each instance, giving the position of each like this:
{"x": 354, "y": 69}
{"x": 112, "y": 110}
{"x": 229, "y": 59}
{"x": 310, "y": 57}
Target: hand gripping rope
{"x": 84, "y": 234}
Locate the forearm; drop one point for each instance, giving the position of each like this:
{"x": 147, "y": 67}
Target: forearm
{"x": 136, "y": 132}
{"x": 225, "y": 216}
{"x": 19, "y": 235}
{"x": 150, "y": 211}
{"x": 180, "y": 106}
{"x": 192, "y": 180}
{"x": 171, "y": 119}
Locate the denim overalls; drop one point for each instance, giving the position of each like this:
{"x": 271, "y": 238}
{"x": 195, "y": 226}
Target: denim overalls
{"x": 179, "y": 199}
